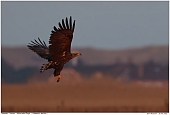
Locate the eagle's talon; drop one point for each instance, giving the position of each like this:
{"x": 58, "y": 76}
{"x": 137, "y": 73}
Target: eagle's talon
{"x": 58, "y": 78}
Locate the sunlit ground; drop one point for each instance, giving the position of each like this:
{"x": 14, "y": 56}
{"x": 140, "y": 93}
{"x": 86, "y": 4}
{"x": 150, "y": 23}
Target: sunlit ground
{"x": 99, "y": 95}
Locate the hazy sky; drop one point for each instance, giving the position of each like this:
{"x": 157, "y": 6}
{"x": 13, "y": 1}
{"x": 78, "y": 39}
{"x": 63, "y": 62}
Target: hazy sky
{"x": 98, "y": 24}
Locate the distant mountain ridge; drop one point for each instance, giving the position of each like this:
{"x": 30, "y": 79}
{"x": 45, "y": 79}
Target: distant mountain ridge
{"x": 159, "y": 54}
{"x": 20, "y": 57}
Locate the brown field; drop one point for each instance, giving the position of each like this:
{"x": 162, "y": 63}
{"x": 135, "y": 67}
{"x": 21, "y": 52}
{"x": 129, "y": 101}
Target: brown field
{"x": 104, "y": 95}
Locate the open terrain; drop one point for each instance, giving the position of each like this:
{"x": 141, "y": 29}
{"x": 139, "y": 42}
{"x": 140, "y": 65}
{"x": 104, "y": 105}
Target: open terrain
{"x": 101, "y": 95}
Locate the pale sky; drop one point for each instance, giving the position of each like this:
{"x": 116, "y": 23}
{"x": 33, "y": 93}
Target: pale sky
{"x": 106, "y": 25}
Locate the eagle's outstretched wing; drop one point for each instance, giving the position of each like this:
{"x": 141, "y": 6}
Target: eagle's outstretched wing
{"x": 40, "y": 48}
{"x": 60, "y": 39}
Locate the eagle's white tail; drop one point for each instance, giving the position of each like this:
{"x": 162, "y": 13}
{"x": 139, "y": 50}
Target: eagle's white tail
{"x": 45, "y": 66}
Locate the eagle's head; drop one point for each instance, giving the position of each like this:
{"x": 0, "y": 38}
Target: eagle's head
{"x": 75, "y": 55}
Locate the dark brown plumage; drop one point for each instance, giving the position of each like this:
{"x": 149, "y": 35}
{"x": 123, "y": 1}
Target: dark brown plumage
{"x": 58, "y": 53}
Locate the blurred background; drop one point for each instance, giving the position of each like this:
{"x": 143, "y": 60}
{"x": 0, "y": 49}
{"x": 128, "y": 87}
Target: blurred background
{"x": 124, "y": 63}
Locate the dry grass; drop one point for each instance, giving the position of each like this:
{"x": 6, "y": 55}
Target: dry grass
{"x": 87, "y": 96}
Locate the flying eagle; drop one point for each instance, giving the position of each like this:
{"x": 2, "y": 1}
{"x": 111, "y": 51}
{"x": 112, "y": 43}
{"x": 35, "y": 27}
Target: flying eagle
{"x": 58, "y": 53}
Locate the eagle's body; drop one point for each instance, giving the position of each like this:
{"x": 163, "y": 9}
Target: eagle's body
{"x": 58, "y": 53}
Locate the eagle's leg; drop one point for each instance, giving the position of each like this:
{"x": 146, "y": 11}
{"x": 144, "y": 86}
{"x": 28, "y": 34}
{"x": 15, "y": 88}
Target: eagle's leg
{"x": 58, "y": 78}
{"x": 45, "y": 66}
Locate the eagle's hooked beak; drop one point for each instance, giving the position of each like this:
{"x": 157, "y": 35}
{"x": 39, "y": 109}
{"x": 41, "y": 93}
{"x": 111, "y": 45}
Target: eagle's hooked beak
{"x": 79, "y": 54}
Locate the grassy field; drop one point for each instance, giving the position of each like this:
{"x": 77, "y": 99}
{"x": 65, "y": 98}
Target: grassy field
{"x": 104, "y": 95}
